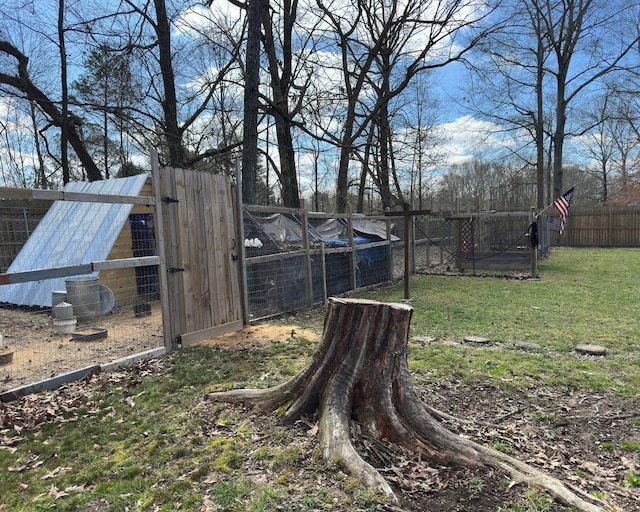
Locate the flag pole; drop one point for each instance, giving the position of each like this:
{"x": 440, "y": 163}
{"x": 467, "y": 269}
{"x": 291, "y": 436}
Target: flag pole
{"x": 543, "y": 210}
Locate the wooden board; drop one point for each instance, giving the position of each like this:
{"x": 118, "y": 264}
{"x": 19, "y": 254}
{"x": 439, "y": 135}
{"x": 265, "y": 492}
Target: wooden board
{"x": 199, "y": 225}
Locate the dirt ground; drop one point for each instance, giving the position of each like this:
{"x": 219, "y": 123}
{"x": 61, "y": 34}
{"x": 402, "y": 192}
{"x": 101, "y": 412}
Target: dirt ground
{"x": 38, "y": 353}
{"x": 588, "y": 440}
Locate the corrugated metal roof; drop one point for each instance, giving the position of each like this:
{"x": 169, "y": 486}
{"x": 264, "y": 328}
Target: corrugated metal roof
{"x": 71, "y": 233}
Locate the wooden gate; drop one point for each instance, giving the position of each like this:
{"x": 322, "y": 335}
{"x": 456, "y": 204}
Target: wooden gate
{"x": 201, "y": 255}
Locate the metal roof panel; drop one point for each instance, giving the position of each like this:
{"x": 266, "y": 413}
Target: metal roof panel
{"x": 71, "y": 233}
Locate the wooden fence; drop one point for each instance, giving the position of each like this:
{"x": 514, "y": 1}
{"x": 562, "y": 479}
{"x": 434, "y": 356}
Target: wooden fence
{"x": 601, "y": 227}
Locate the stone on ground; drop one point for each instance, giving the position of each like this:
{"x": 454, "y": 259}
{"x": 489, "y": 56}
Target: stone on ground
{"x": 592, "y": 350}
{"x": 527, "y": 345}
{"x": 481, "y": 340}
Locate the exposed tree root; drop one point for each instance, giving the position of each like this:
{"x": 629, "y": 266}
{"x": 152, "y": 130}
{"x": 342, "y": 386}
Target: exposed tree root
{"x": 360, "y": 372}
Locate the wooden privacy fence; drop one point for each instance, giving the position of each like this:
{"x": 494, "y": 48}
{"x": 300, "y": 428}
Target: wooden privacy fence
{"x": 602, "y": 227}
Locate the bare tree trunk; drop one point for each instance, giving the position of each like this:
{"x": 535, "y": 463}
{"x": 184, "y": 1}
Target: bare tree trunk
{"x": 282, "y": 81}
{"x": 170, "y": 100}
{"x": 251, "y": 83}
{"x": 364, "y": 172}
{"x": 362, "y": 339}
{"x": 41, "y": 173}
{"x": 384, "y": 129}
{"x": 64, "y": 149}
{"x": 539, "y": 120}
{"x": 558, "y": 141}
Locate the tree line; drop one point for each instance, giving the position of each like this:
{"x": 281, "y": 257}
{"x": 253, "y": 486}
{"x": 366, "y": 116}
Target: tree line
{"x": 328, "y": 100}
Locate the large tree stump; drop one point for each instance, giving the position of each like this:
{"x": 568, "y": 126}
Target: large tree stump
{"x": 360, "y": 373}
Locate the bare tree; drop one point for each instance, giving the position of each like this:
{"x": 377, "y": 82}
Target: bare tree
{"x": 507, "y": 87}
{"x": 587, "y": 44}
{"x": 423, "y": 141}
{"x": 612, "y": 144}
{"x": 546, "y": 55}
{"x": 21, "y": 81}
{"x": 365, "y": 32}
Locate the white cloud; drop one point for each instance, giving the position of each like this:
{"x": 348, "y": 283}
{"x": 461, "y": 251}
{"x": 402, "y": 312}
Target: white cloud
{"x": 198, "y": 19}
{"x": 466, "y": 136}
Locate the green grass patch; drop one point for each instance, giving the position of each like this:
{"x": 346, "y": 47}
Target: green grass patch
{"x": 632, "y": 479}
{"x": 630, "y": 446}
{"x": 150, "y": 440}
{"x": 584, "y": 296}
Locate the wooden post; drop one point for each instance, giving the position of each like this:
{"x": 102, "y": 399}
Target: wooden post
{"x": 241, "y": 249}
{"x": 160, "y": 241}
{"x": 407, "y": 214}
{"x": 304, "y": 220}
{"x": 534, "y": 252}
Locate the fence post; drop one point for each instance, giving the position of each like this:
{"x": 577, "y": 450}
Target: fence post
{"x": 244, "y": 286}
{"x": 308, "y": 281}
{"x": 352, "y": 246}
{"x": 162, "y": 267}
{"x": 534, "y": 250}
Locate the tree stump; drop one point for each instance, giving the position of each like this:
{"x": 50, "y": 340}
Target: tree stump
{"x": 360, "y": 373}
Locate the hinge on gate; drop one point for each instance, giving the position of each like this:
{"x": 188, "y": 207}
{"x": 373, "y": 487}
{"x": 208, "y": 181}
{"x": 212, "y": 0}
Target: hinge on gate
{"x": 173, "y": 270}
{"x": 168, "y": 199}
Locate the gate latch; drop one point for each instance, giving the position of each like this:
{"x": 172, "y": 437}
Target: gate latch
{"x": 168, "y": 199}
{"x": 173, "y": 270}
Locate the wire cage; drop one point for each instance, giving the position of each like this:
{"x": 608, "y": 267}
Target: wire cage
{"x": 488, "y": 241}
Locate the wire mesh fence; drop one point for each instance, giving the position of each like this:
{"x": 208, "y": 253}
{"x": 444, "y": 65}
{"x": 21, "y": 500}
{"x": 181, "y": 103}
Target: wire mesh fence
{"x": 66, "y": 312}
{"x": 294, "y": 259}
{"x": 59, "y": 316}
{"x": 485, "y": 241}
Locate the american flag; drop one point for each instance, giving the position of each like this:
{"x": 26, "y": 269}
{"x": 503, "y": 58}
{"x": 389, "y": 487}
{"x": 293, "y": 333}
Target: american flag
{"x": 562, "y": 204}
{"x": 555, "y": 223}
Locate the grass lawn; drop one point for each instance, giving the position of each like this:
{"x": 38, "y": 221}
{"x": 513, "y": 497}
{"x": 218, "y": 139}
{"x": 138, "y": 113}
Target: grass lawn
{"x": 147, "y": 439}
{"x": 584, "y": 296}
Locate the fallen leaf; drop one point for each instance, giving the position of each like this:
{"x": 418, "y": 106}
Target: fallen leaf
{"x": 54, "y": 473}
{"x": 55, "y": 493}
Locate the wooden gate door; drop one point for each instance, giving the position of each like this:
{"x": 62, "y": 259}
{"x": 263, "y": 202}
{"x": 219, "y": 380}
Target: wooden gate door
{"x": 201, "y": 255}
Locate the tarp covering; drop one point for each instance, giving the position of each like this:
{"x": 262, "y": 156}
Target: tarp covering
{"x": 277, "y": 285}
{"x": 281, "y": 228}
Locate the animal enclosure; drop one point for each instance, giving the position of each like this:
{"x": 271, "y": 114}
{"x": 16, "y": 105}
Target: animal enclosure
{"x": 171, "y": 259}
